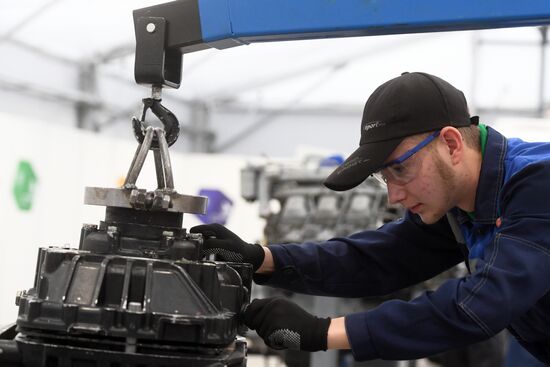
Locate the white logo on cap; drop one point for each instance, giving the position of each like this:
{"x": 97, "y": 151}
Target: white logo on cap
{"x": 352, "y": 163}
{"x": 373, "y": 124}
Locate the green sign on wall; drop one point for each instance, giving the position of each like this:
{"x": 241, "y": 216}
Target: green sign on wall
{"x": 23, "y": 187}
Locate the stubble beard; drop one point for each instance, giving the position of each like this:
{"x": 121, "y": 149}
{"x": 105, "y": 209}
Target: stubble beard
{"x": 448, "y": 180}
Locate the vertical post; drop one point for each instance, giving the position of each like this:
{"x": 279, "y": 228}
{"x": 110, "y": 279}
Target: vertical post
{"x": 476, "y": 43}
{"x": 543, "y": 42}
{"x": 86, "y": 117}
{"x": 201, "y": 135}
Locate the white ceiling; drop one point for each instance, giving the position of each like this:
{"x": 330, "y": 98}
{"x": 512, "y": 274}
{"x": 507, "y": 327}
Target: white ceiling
{"x": 285, "y": 74}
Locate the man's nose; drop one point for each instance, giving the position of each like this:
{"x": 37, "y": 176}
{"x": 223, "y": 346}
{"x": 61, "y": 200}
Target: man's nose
{"x": 396, "y": 193}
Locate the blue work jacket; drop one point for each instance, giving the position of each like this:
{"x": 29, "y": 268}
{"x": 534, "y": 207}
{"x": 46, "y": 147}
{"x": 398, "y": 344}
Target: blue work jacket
{"x": 508, "y": 288}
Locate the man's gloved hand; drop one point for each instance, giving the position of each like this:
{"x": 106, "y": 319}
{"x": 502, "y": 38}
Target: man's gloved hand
{"x": 285, "y": 325}
{"x": 221, "y": 241}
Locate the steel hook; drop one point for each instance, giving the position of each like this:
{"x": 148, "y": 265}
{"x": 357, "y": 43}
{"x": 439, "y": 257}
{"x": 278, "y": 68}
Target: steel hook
{"x": 168, "y": 119}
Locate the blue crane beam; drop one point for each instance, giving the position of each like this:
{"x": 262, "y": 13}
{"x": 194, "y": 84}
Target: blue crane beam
{"x": 232, "y": 22}
{"x": 167, "y": 31}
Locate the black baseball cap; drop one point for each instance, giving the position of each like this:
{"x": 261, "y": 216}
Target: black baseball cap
{"x": 410, "y": 104}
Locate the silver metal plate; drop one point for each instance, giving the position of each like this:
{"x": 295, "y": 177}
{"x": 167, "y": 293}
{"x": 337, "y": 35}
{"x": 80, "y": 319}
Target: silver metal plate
{"x": 121, "y": 198}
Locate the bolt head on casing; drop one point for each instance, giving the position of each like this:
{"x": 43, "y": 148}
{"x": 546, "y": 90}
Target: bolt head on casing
{"x": 18, "y": 296}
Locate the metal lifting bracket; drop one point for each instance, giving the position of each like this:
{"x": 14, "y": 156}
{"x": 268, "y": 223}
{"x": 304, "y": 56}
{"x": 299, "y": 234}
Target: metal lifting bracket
{"x": 155, "y": 65}
{"x": 157, "y": 139}
{"x": 163, "y": 165}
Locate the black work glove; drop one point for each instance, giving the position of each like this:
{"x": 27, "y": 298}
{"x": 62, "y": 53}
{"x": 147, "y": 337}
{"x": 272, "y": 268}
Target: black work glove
{"x": 285, "y": 325}
{"x": 220, "y": 241}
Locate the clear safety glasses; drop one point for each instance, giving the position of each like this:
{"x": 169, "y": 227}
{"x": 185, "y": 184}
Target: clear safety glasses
{"x": 403, "y": 170}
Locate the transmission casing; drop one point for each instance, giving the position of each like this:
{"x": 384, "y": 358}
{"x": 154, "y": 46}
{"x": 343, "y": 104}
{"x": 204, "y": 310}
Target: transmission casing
{"x": 135, "y": 286}
{"x": 137, "y": 292}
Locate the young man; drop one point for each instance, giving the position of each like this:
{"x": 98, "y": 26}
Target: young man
{"x": 471, "y": 195}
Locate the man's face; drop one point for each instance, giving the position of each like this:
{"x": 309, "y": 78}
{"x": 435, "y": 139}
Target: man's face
{"x": 431, "y": 193}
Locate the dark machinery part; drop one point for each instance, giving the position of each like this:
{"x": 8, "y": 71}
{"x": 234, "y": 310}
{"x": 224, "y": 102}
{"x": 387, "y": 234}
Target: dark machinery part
{"x": 165, "y": 32}
{"x": 136, "y": 293}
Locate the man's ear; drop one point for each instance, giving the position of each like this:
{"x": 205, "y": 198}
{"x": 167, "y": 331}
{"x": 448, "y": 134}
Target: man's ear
{"x": 453, "y": 142}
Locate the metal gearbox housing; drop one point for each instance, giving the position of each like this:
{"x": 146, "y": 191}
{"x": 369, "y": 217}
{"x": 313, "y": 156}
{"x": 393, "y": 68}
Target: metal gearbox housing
{"x": 137, "y": 292}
